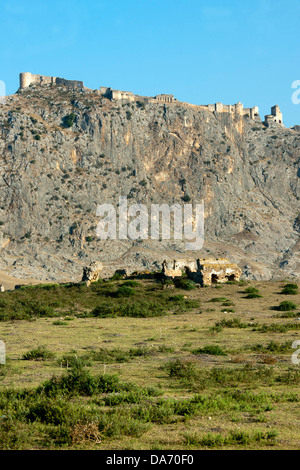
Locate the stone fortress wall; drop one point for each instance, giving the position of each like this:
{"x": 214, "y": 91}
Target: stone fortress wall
{"x": 27, "y": 79}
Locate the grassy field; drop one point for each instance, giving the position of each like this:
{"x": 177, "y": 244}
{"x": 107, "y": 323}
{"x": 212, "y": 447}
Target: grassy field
{"x": 138, "y": 364}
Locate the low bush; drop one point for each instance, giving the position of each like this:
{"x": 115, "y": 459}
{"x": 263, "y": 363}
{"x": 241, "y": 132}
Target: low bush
{"x": 107, "y": 356}
{"x": 214, "y": 350}
{"x": 273, "y": 347}
{"x": 253, "y": 295}
{"x": 290, "y": 289}
{"x": 286, "y": 305}
{"x": 219, "y": 299}
{"x": 185, "y": 284}
{"x": 79, "y": 381}
{"x": 124, "y": 291}
{"x": 231, "y": 323}
{"x": 41, "y": 353}
{"x": 233, "y": 438}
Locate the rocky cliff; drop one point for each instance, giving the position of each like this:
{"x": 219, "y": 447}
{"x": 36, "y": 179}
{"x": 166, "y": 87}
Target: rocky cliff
{"x": 63, "y": 152}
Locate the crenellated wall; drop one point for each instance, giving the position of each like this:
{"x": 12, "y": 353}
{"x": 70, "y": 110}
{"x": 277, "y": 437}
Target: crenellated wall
{"x": 27, "y": 79}
{"x": 237, "y": 108}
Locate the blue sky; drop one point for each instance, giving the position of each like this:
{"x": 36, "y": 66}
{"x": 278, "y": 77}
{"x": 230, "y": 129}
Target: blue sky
{"x": 202, "y": 51}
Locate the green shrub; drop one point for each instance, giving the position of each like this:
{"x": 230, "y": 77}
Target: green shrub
{"x": 228, "y": 303}
{"x": 273, "y": 347}
{"x": 54, "y": 411}
{"x": 117, "y": 276}
{"x": 79, "y": 381}
{"x": 140, "y": 104}
{"x": 214, "y": 350}
{"x": 35, "y": 308}
{"x": 253, "y": 295}
{"x": 290, "y": 289}
{"x": 124, "y": 291}
{"x": 218, "y": 299}
{"x": 72, "y": 360}
{"x": 118, "y": 355}
{"x": 177, "y": 298}
{"x": 143, "y": 309}
{"x": 277, "y": 327}
{"x": 130, "y": 283}
{"x": 231, "y": 323}
{"x": 69, "y": 120}
{"x": 251, "y": 290}
{"x": 181, "y": 369}
{"x": 185, "y": 284}
{"x": 286, "y": 305}
{"x": 104, "y": 310}
{"x": 233, "y": 438}
{"x": 289, "y": 315}
{"x": 40, "y": 353}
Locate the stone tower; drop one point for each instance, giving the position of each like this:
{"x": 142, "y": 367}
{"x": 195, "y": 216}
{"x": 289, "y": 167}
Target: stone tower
{"x": 275, "y": 118}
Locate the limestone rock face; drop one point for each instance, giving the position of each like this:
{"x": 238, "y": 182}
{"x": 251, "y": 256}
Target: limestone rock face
{"x": 55, "y": 172}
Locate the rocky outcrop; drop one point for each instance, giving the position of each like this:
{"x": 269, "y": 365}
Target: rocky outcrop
{"x": 92, "y": 273}
{"x": 56, "y": 171}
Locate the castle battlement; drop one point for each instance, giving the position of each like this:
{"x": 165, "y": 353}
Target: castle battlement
{"x": 27, "y": 79}
{"x": 237, "y": 108}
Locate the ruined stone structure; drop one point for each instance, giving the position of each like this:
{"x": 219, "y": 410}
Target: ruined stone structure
{"x": 164, "y": 98}
{"x": 218, "y": 271}
{"x": 175, "y": 268}
{"x": 203, "y": 271}
{"x": 92, "y": 272}
{"x": 117, "y": 94}
{"x": 237, "y": 108}
{"x": 275, "y": 118}
{"x": 27, "y": 79}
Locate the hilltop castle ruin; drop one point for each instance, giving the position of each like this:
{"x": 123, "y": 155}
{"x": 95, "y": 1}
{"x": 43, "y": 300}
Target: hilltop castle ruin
{"x": 28, "y": 79}
{"x": 274, "y": 118}
{"x": 202, "y": 271}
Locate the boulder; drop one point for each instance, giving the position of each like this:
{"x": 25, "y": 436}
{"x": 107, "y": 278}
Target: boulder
{"x": 92, "y": 272}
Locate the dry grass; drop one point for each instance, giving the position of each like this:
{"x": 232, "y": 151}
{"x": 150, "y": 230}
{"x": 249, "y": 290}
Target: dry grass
{"x": 169, "y": 338}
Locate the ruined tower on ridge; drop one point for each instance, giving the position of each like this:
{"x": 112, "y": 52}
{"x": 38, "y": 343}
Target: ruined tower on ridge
{"x": 275, "y": 118}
